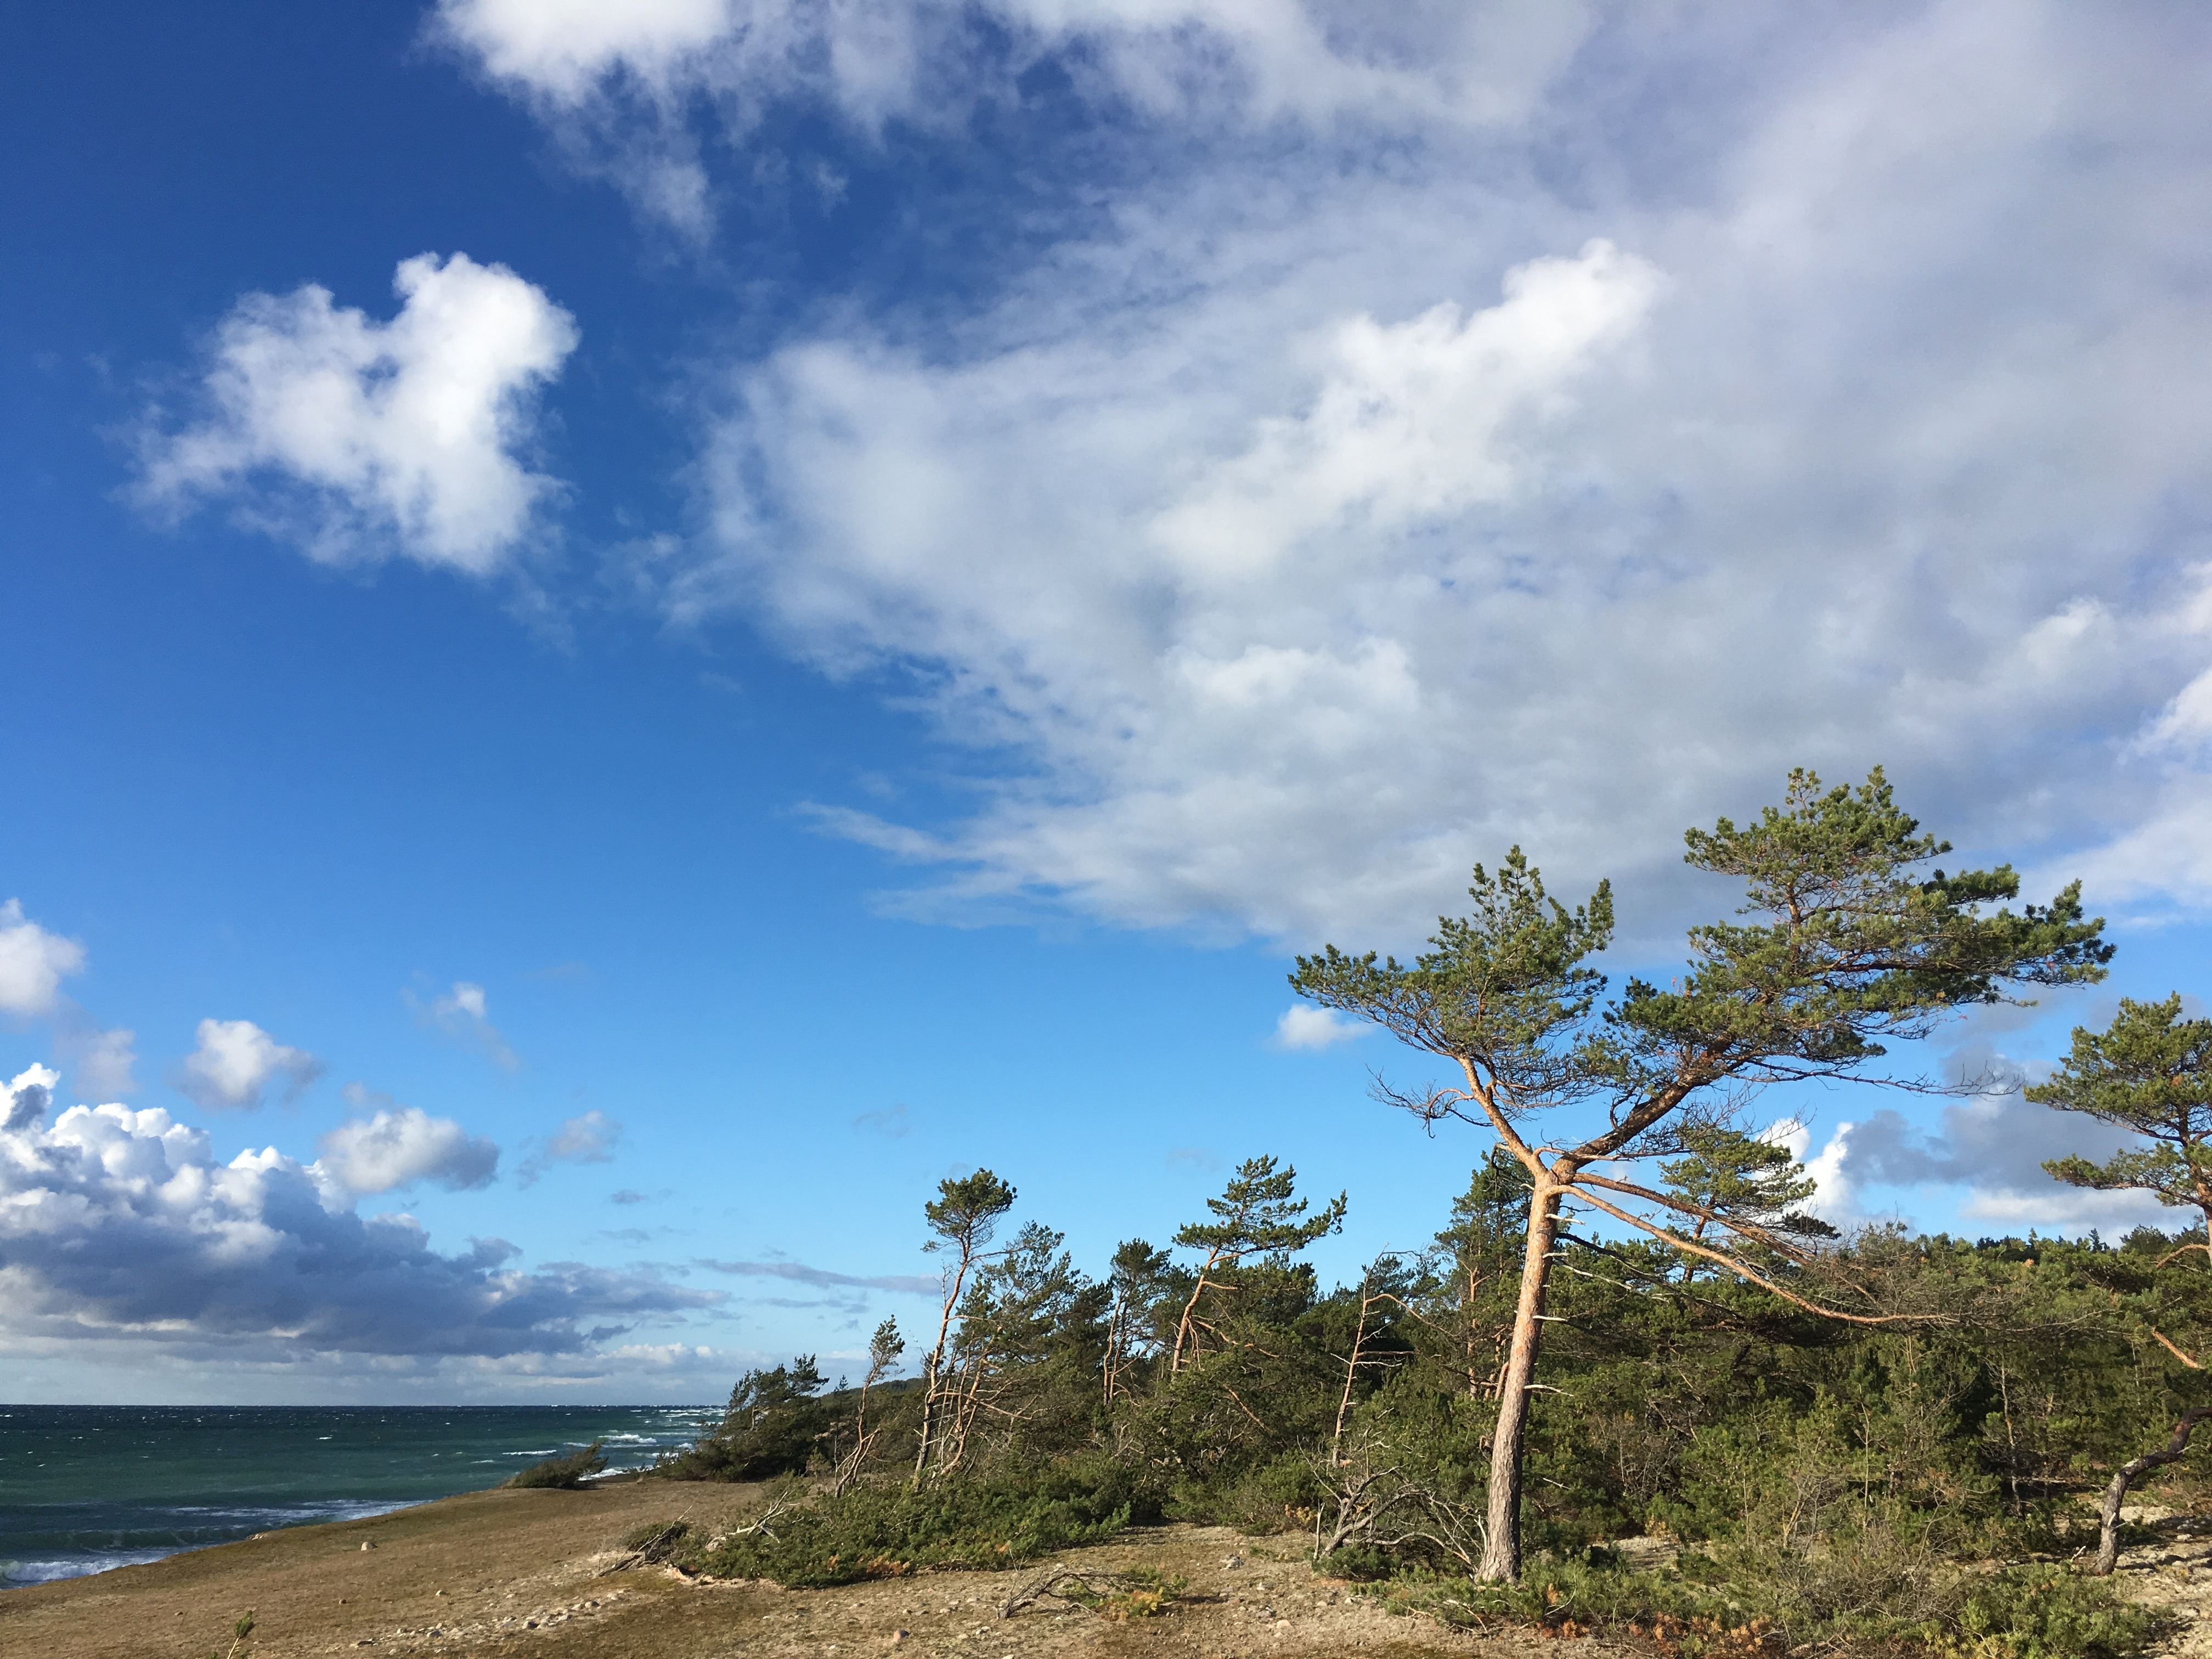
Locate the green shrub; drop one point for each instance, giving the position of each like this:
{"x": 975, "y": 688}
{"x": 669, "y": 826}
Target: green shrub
{"x": 570, "y": 1470}
{"x": 773, "y": 1426}
{"x": 1573, "y": 1598}
{"x": 883, "y": 1533}
{"x": 2019, "y": 1613}
{"x": 2041, "y": 1612}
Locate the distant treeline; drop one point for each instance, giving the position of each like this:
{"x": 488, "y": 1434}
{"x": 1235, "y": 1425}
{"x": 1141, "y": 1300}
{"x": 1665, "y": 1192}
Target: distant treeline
{"x": 1631, "y": 1331}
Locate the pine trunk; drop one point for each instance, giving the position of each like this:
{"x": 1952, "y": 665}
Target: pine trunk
{"x": 928, "y": 1420}
{"x": 1501, "y": 1549}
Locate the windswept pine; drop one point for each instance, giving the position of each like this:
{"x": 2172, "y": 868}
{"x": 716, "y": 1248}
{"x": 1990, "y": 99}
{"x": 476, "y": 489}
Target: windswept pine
{"x": 1628, "y": 1327}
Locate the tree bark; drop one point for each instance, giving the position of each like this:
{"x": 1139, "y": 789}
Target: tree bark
{"x": 1184, "y": 1335}
{"x": 935, "y": 1361}
{"x": 2108, "y": 1537}
{"x": 1501, "y": 1549}
{"x": 928, "y": 1418}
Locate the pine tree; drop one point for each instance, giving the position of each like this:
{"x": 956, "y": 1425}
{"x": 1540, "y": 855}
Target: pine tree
{"x": 1852, "y": 940}
{"x": 2149, "y": 1072}
{"x": 1255, "y": 1215}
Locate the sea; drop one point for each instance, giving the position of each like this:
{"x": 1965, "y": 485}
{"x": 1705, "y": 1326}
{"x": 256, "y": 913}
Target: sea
{"x": 85, "y": 1488}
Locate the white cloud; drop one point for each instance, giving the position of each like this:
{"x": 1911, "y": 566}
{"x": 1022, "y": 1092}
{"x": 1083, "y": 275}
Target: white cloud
{"x": 1836, "y": 1199}
{"x": 1310, "y": 1028}
{"x": 398, "y": 1146}
{"x": 618, "y": 78}
{"x": 357, "y": 439}
{"x": 1310, "y": 531}
{"x": 28, "y": 1094}
{"x": 33, "y": 963}
{"x": 101, "y": 1061}
{"x": 1990, "y": 1149}
{"x": 563, "y": 48}
{"x": 120, "y": 1227}
{"x": 588, "y": 1137}
{"x": 236, "y": 1062}
{"x": 462, "y": 1014}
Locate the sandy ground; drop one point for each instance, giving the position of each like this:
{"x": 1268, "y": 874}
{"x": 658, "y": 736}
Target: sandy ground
{"x": 2174, "y": 1575}
{"x": 526, "y": 1573}
{"x": 521, "y": 1573}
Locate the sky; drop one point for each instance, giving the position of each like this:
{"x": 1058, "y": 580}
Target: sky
{"x": 637, "y": 629}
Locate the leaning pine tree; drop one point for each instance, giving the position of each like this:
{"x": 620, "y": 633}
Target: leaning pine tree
{"x": 1850, "y": 940}
{"x": 2150, "y": 1074}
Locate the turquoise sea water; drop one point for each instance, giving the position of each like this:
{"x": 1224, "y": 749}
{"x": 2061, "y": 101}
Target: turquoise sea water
{"x": 83, "y": 1488}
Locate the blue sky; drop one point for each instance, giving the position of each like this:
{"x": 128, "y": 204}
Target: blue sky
{"x": 882, "y": 566}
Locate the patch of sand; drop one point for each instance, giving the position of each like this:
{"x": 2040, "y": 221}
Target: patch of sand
{"x": 522, "y": 1573}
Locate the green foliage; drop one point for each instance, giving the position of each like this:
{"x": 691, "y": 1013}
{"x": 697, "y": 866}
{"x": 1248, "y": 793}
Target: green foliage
{"x": 874, "y": 1532}
{"x": 1142, "y": 1593}
{"x": 884, "y": 1347}
{"x": 239, "y": 1631}
{"x": 570, "y": 1470}
{"x": 1504, "y": 990}
{"x": 2040, "y": 1612}
{"x": 1257, "y": 1215}
{"x": 1849, "y": 940}
{"x": 1725, "y": 1175}
{"x": 1853, "y": 943}
{"x": 1580, "y": 1595}
{"x": 965, "y": 1210}
{"x": 772, "y": 1426}
{"x": 2150, "y": 1072}
{"x": 2034, "y": 1612}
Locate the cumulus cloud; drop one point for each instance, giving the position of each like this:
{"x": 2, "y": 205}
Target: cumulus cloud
{"x": 1308, "y": 1028}
{"x": 1994, "y": 1147}
{"x": 33, "y": 963}
{"x": 235, "y": 1063}
{"x": 358, "y": 438}
{"x": 28, "y": 1094}
{"x": 1331, "y": 510}
{"x": 122, "y": 1227}
{"x": 397, "y": 1145}
{"x": 1989, "y": 1149}
{"x": 462, "y": 1014}
{"x": 588, "y": 1137}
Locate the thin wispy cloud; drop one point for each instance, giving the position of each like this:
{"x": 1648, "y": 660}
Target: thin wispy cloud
{"x": 799, "y": 1273}
{"x": 463, "y": 1014}
{"x": 101, "y": 1062}
{"x": 892, "y": 1122}
{"x": 588, "y": 1137}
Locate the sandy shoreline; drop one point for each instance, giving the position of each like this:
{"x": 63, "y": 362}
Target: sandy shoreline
{"x": 504, "y": 1572}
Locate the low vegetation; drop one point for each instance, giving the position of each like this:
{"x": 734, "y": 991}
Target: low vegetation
{"x": 1630, "y": 1383}
{"x": 567, "y": 1469}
